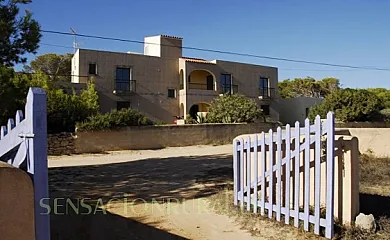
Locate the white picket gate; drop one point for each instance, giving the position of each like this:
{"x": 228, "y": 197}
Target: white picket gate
{"x": 23, "y": 144}
{"x": 275, "y": 161}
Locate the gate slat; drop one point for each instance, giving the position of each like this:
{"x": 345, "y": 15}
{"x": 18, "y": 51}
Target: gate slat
{"x": 288, "y": 161}
{"x": 271, "y": 173}
{"x": 263, "y": 183}
{"x": 255, "y": 173}
{"x": 307, "y": 176}
{"x": 317, "y": 167}
{"x": 296, "y": 173}
{"x": 236, "y": 169}
{"x": 248, "y": 173}
{"x": 329, "y": 177}
{"x": 279, "y": 175}
{"x": 242, "y": 173}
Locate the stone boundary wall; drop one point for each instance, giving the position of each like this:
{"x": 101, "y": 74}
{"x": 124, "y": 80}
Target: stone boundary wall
{"x": 155, "y": 137}
{"x": 61, "y": 144}
{"x": 363, "y": 125}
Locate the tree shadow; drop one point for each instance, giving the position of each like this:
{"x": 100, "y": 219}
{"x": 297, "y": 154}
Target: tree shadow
{"x": 146, "y": 180}
{"x": 149, "y": 179}
{"x": 102, "y": 226}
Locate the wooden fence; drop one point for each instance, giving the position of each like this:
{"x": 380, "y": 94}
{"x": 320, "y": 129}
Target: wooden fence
{"x": 23, "y": 144}
{"x": 272, "y": 174}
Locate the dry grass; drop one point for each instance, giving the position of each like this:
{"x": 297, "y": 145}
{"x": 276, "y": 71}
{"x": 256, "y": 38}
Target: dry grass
{"x": 374, "y": 185}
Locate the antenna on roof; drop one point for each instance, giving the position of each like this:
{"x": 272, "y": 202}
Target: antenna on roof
{"x": 75, "y": 44}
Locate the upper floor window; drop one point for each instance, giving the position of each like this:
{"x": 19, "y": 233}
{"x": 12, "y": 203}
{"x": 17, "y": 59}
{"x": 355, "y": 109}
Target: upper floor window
{"x": 226, "y": 83}
{"x": 92, "y": 69}
{"x": 264, "y": 83}
{"x": 264, "y": 90}
{"x": 123, "y": 79}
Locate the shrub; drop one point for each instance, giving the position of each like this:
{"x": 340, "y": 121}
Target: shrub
{"x": 114, "y": 120}
{"x": 233, "y": 109}
{"x": 349, "y": 105}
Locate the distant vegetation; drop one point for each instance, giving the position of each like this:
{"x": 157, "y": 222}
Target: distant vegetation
{"x": 349, "y": 105}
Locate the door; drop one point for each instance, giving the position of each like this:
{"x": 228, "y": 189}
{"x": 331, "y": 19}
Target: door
{"x": 210, "y": 82}
{"x": 194, "y": 111}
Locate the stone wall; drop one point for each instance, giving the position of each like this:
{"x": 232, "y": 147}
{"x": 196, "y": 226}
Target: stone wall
{"x": 61, "y": 144}
{"x": 154, "y": 137}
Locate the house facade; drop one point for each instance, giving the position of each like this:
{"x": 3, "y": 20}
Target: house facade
{"x": 162, "y": 84}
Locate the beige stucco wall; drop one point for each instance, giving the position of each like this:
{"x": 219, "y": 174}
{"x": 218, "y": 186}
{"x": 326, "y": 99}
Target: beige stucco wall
{"x": 294, "y": 109}
{"x": 153, "y": 76}
{"x": 373, "y": 139}
{"x": 159, "y": 70}
{"x": 17, "y": 204}
{"x": 246, "y": 76}
{"x": 153, "y": 137}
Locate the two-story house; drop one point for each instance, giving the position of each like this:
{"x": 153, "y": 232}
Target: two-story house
{"x": 163, "y": 84}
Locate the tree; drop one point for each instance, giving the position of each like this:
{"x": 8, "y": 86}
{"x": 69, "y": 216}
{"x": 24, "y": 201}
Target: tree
{"x": 349, "y": 105}
{"x": 383, "y": 94}
{"x": 18, "y": 34}
{"x": 12, "y": 93}
{"x": 57, "y": 67}
{"x": 233, "y": 109}
{"x": 307, "y": 87}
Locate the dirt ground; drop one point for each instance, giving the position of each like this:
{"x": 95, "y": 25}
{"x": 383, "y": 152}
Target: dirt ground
{"x": 159, "y": 194}
{"x": 174, "y": 193}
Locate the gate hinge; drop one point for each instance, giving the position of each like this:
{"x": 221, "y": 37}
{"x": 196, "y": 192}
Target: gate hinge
{"x": 26, "y": 135}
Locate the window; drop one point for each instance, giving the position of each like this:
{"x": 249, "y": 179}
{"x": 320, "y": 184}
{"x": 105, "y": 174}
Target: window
{"x": 264, "y": 86}
{"x": 265, "y": 109}
{"x": 122, "y": 80}
{"x": 172, "y": 93}
{"x": 92, "y": 69}
{"x": 122, "y": 105}
{"x": 226, "y": 83}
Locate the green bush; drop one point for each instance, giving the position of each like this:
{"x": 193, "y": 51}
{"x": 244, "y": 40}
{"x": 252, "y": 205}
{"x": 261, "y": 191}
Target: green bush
{"x": 63, "y": 110}
{"x": 114, "y": 120}
{"x": 349, "y": 105}
{"x": 233, "y": 109}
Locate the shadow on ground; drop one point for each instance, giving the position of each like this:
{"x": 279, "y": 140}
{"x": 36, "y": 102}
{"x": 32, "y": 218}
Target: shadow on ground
{"x": 375, "y": 204}
{"x": 178, "y": 177}
{"x": 150, "y": 180}
{"x": 102, "y": 226}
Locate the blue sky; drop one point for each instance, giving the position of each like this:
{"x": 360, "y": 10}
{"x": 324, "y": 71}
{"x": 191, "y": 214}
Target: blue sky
{"x": 351, "y": 32}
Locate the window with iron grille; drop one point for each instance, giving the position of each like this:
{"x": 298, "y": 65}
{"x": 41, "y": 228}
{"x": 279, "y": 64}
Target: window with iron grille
{"x": 264, "y": 87}
{"x": 226, "y": 83}
{"x": 122, "y": 79}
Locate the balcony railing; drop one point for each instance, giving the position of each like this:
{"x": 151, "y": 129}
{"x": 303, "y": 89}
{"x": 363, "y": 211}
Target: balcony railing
{"x": 200, "y": 86}
{"x": 267, "y": 93}
{"x": 228, "y": 89}
{"x": 125, "y": 87}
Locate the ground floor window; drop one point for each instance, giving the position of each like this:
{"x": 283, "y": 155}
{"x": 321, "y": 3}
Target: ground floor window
{"x": 265, "y": 109}
{"x": 122, "y": 104}
{"x": 172, "y": 93}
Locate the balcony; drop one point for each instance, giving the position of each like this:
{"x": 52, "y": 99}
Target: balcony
{"x": 266, "y": 93}
{"x": 125, "y": 87}
{"x": 201, "y": 86}
{"x": 228, "y": 89}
